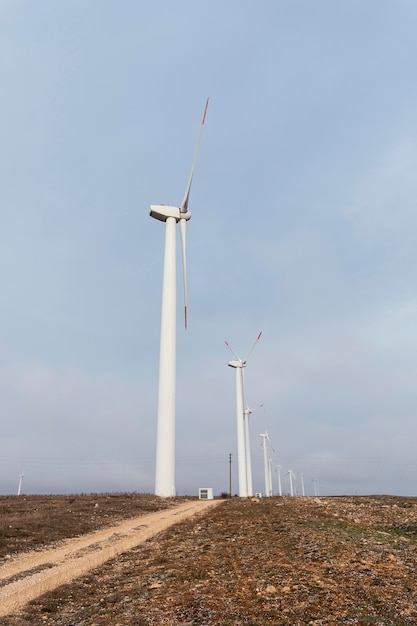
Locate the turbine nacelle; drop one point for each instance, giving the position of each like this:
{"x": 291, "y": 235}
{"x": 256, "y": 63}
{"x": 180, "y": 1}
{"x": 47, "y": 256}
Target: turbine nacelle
{"x": 162, "y": 212}
{"x": 236, "y": 364}
{"x": 248, "y": 411}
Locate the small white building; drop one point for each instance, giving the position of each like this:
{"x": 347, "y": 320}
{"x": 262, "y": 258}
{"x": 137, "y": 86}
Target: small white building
{"x": 205, "y": 493}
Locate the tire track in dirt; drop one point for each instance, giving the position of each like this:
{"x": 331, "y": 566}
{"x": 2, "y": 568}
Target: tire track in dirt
{"x": 77, "y": 556}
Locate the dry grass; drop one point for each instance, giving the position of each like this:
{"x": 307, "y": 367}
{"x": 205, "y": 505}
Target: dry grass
{"x": 32, "y": 522}
{"x": 279, "y": 561}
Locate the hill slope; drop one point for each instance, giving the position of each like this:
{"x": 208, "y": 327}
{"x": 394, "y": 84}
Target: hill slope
{"x": 316, "y": 561}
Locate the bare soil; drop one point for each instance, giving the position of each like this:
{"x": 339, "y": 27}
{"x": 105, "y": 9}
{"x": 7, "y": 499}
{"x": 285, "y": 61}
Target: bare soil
{"x": 290, "y": 560}
{"x": 31, "y": 574}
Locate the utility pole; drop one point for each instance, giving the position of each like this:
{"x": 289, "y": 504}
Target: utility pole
{"x": 230, "y": 474}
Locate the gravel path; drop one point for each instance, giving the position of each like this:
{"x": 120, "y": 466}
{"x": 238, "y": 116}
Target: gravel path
{"x": 27, "y": 576}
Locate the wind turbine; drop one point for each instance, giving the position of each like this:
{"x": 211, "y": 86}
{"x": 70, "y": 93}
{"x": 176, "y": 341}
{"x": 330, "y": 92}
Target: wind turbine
{"x": 291, "y": 474}
{"x": 165, "y": 438}
{"x": 302, "y": 485}
{"x": 239, "y": 364}
{"x": 316, "y": 486}
{"x": 270, "y": 465}
{"x": 278, "y": 471}
{"x": 19, "y": 489}
{"x": 267, "y": 472}
{"x": 246, "y": 415}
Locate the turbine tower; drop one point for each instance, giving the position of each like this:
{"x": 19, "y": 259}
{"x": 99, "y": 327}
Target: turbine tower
{"x": 270, "y": 465}
{"x": 19, "y": 489}
{"x": 303, "y": 493}
{"x": 246, "y": 415}
{"x": 291, "y": 474}
{"x": 238, "y": 365}
{"x": 165, "y": 438}
{"x": 278, "y": 471}
{"x": 267, "y": 472}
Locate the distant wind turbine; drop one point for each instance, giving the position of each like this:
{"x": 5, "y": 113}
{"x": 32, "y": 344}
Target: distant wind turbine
{"x": 278, "y": 471}
{"x": 246, "y": 416}
{"x": 239, "y": 364}
{"x": 267, "y": 467}
{"x": 316, "y": 487}
{"x": 19, "y": 489}
{"x": 165, "y": 439}
{"x": 291, "y": 474}
{"x": 270, "y": 465}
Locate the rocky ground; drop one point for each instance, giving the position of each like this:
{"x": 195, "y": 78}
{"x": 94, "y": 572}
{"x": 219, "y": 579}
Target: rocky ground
{"x": 290, "y": 560}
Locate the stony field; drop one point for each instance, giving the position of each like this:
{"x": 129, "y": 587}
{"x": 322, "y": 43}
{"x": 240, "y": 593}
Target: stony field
{"x": 288, "y": 560}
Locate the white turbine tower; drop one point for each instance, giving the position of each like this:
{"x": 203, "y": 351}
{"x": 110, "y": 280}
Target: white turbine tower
{"x": 278, "y": 471}
{"x": 246, "y": 418}
{"x": 239, "y": 364}
{"x": 303, "y": 493}
{"x": 270, "y": 465}
{"x": 316, "y": 486}
{"x": 267, "y": 467}
{"x": 291, "y": 474}
{"x": 19, "y": 489}
{"x": 165, "y": 438}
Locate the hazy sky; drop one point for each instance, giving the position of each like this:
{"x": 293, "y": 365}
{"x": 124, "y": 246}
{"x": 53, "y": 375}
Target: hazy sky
{"x": 304, "y": 226}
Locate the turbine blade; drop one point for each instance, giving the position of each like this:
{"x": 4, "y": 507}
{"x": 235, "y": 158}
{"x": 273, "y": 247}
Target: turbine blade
{"x": 184, "y": 203}
{"x": 255, "y": 409}
{"x": 232, "y": 351}
{"x": 183, "y": 228}
{"x": 253, "y": 347}
{"x": 269, "y": 441}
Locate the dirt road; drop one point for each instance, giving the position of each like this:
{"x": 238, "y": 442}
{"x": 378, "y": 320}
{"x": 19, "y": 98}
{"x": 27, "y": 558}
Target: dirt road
{"x": 29, "y": 575}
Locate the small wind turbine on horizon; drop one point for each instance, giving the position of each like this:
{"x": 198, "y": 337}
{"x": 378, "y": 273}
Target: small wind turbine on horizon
{"x": 270, "y": 466}
{"x": 291, "y": 474}
{"x": 246, "y": 417}
{"x": 278, "y": 471}
{"x": 19, "y": 489}
{"x": 238, "y": 365}
{"x": 165, "y": 439}
{"x": 316, "y": 487}
{"x": 302, "y": 485}
{"x": 267, "y": 467}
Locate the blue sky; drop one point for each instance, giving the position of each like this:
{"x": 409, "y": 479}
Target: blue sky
{"x": 303, "y": 227}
